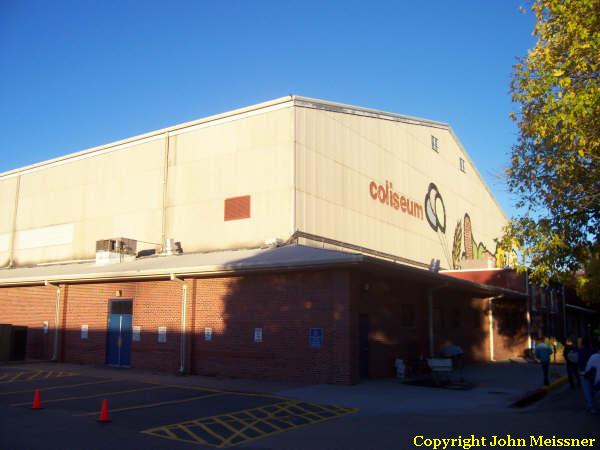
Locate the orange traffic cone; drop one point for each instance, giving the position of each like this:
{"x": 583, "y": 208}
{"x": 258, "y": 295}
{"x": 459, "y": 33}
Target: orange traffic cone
{"x": 104, "y": 412}
{"x": 37, "y": 402}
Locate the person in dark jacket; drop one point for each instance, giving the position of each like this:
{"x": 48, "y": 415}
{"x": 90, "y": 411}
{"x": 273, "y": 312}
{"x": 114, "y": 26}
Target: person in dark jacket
{"x": 584, "y": 352}
{"x": 571, "y": 355}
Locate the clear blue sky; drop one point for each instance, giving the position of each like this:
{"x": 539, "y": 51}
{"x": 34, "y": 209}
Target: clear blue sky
{"x": 76, "y": 74}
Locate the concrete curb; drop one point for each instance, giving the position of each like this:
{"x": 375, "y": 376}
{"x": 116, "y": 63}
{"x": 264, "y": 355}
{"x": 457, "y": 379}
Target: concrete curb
{"x": 533, "y": 396}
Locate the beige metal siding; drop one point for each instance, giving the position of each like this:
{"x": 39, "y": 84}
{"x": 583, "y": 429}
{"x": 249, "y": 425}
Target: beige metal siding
{"x": 65, "y": 206}
{"x": 338, "y": 155}
{"x": 250, "y": 156}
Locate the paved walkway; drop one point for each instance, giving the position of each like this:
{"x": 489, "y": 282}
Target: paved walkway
{"x": 496, "y": 385}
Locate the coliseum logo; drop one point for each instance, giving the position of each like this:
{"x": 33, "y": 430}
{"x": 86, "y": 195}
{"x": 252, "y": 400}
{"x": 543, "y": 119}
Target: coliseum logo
{"x": 386, "y": 195}
{"x": 435, "y": 209}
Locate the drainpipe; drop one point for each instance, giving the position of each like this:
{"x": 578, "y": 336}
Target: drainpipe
{"x": 56, "y": 318}
{"x": 183, "y": 332}
{"x": 430, "y": 292}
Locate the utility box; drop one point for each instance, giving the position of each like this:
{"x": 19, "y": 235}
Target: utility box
{"x": 109, "y": 251}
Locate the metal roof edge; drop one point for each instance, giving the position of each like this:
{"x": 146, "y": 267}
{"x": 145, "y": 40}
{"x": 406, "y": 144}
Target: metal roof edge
{"x": 350, "y": 109}
{"x": 200, "y": 271}
{"x": 149, "y": 135}
{"x": 487, "y": 288}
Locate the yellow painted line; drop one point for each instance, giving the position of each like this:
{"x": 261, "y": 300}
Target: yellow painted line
{"x": 58, "y": 387}
{"x": 15, "y": 377}
{"x": 83, "y": 397}
{"x": 36, "y": 374}
{"x": 249, "y": 423}
{"x": 240, "y": 432}
{"x": 192, "y": 434}
{"x": 170, "y": 433}
{"x": 242, "y": 394}
{"x": 175, "y": 438}
{"x": 209, "y": 431}
{"x": 191, "y": 388}
{"x": 150, "y": 405}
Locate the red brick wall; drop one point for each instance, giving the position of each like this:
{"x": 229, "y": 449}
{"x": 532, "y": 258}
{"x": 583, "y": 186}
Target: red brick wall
{"x": 30, "y": 307}
{"x": 510, "y": 328}
{"x": 382, "y": 302}
{"x": 155, "y": 303}
{"x": 460, "y": 319}
{"x": 285, "y": 307}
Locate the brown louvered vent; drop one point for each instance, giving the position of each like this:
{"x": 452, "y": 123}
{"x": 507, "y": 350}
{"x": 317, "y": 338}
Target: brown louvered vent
{"x": 237, "y": 208}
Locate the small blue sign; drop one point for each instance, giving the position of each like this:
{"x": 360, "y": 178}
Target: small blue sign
{"x": 315, "y": 337}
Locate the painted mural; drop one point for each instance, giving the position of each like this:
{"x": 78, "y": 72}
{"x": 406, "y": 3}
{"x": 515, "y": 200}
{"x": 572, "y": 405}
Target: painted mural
{"x": 466, "y": 251}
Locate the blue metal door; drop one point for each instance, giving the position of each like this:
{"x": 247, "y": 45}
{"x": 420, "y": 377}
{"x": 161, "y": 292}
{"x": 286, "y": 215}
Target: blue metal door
{"x": 126, "y": 332}
{"x": 118, "y": 342}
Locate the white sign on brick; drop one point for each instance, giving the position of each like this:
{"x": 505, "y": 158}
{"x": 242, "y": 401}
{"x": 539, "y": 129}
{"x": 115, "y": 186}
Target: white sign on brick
{"x": 208, "y": 334}
{"x": 258, "y": 335}
{"x": 162, "y": 334}
{"x": 84, "y": 331}
{"x": 137, "y": 334}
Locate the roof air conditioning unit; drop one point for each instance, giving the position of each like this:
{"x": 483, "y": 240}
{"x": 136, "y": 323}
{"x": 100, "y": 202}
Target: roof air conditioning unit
{"x": 109, "y": 251}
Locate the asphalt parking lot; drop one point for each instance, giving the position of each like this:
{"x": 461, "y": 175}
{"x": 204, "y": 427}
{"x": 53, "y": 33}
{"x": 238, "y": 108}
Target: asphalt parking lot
{"x": 146, "y": 414}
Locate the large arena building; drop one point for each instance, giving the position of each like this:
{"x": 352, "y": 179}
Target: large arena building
{"x": 296, "y": 239}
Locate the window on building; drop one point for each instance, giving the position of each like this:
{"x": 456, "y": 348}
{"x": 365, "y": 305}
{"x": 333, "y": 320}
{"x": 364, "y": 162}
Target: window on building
{"x": 435, "y": 143}
{"x": 407, "y": 315}
{"x": 462, "y": 165}
{"x": 237, "y": 208}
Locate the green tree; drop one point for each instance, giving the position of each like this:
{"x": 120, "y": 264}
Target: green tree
{"x": 554, "y": 169}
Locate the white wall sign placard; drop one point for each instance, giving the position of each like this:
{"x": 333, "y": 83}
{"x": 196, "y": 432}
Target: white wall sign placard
{"x": 137, "y": 334}
{"x": 84, "y": 331}
{"x": 162, "y": 334}
{"x": 258, "y": 335}
{"x": 315, "y": 337}
{"x": 208, "y": 334}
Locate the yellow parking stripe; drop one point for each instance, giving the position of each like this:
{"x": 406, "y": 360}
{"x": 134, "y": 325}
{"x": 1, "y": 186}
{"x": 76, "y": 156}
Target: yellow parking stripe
{"x": 226, "y": 430}
{"x": 14, "y": 377}
{"x": 36, "y": 374}
{"x": 29, "y": 375}
{"x": 151, "y": 405}
{"x": 83, "y": 397}
{"x": 64, "y": 386}
{"x": 195, "y": 437}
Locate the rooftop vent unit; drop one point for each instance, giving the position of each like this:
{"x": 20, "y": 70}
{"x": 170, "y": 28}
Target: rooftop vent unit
{"x": 109, "y": 251}
{"x": 172, "y": 248}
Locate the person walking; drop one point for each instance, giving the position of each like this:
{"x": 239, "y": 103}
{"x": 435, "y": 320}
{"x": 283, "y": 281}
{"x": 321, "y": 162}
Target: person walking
{"x": 589, "y": 364}
{"x": 542, "y": 353}
{"x": 571, "y": 356}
